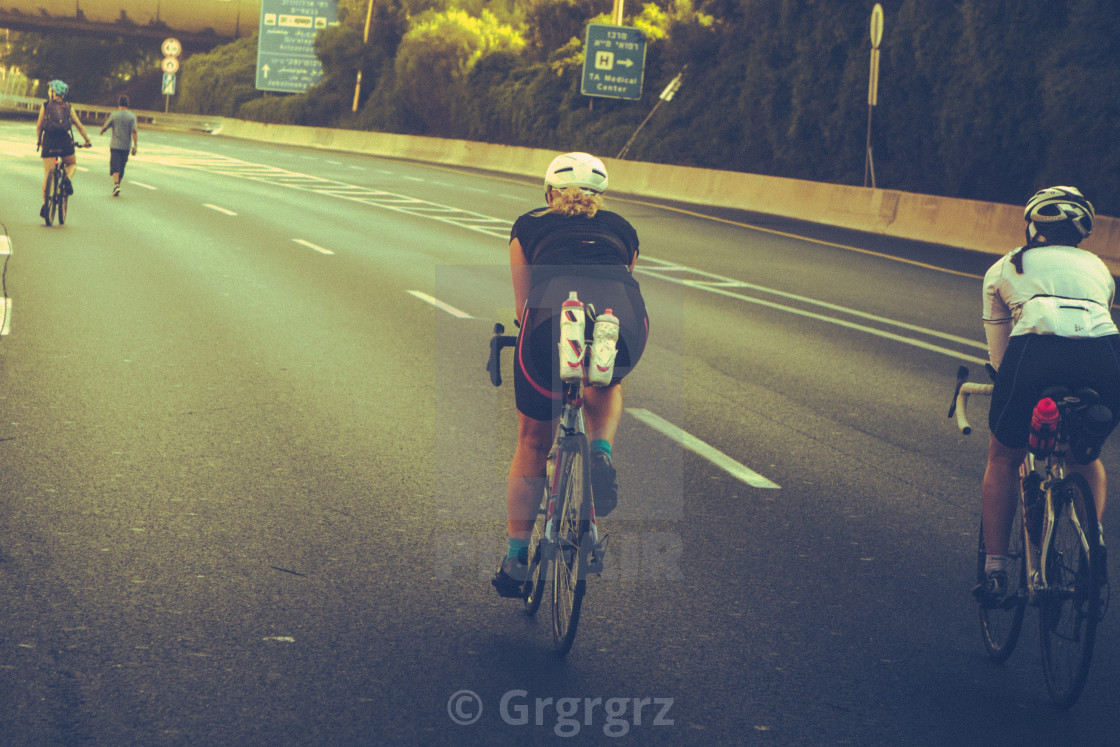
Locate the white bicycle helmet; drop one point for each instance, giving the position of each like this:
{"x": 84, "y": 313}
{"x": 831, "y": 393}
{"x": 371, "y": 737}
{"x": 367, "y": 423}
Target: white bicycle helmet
{"x": 1057, "y": 205}
{"x": 581, "y": 170}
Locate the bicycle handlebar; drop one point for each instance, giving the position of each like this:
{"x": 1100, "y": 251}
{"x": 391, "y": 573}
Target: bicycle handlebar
{"x": 960, "y": 398}
{"x": 497, "y": 342}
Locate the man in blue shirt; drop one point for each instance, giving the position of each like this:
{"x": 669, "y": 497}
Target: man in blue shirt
{"x": 124, "y": 127}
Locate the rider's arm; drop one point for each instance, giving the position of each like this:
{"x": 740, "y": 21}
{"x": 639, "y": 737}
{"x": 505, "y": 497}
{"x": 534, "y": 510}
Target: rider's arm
{"x": 520, "y": 269}
{"x": 39, "y": 126}
{"x": 78, "y": 123}
{"x": 998, "y": 320}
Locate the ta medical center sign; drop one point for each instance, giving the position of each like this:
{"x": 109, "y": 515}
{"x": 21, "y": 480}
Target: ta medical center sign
{"x": 286, "y": 61}
{"x": 614, "y": 62}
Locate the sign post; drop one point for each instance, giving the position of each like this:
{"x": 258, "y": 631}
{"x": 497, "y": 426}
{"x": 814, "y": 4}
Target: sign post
{"x": 614, "y": 62}
{"x": 873, "y": 88}
{"x": 171, "y": 49}
{"x": 286, "y": 60}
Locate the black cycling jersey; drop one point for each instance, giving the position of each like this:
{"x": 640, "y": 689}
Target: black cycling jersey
{"x": 552, "y": 239}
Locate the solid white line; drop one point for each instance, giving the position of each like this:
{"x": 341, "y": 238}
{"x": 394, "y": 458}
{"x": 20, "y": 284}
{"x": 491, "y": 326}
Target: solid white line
{"x": 693, "y": 444}
{"x": 309, "y": 245}
{"x": 7, "y": 328}
{"x": 441, "y": 305}
{"x": 219, "y": 209}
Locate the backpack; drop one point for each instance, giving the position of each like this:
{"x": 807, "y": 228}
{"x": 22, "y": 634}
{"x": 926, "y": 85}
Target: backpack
{"x": 56, "y": 117}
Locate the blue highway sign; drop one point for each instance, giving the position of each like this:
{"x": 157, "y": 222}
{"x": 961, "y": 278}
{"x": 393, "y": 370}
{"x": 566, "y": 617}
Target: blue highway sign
{"x": 286, "y": 60}
{"x": 614, "y": 62}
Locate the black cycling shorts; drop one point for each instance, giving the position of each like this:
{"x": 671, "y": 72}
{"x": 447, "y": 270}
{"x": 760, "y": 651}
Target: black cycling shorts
{"x": 57, "y": 145}
{"x": 537, "y": 387}
{"x": 1034, "y": 363}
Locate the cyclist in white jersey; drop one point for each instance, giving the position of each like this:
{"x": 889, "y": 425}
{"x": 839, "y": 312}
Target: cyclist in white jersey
{"x": 1048, "y": 321}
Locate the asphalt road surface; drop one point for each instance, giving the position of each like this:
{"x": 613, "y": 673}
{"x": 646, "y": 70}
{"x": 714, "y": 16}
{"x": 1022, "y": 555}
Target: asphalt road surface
{"x": 252, "y": 475}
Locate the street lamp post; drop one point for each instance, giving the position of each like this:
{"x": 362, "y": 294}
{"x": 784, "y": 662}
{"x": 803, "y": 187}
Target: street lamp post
{"x": 873, "y": 88}
{"x": 365, "y": 40}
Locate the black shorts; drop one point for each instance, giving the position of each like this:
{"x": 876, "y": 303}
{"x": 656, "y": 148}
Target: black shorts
{"x": 1033, "y": 363}
{"x": 57, "y": 145}
{"x": 117, "y": 161}
{"x": 536, "y": 381}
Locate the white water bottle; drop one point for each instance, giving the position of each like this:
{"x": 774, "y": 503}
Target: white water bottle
{"x": 573, "y": 342}
{"x": 604, "y": 348}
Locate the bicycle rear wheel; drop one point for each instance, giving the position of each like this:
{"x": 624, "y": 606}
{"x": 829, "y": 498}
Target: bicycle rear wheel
{"x": 1071, "y": 607}
{"x": 572, "y": 522}
{"x": 1000, "y": 626}
{"x": 63, "y": 201}
{"x": 538, "y": 560}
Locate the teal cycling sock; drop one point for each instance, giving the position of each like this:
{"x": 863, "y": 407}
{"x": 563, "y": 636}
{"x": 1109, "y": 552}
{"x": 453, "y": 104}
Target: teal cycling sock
{"x": 518, "y": 548}
{"x": 601, "y": 445}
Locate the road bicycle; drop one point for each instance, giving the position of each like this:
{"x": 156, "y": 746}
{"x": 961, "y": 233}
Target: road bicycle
{"x": 1057, "y": 553}
{"x": 565, "y": 543}
{"x": 57, "y": 197}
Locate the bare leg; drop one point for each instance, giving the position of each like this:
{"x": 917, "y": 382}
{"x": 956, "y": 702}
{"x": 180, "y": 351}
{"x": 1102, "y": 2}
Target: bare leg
{"x": 999, "y": 493}
{"x": 526, "y": 474}
{"x": 603, "y": 409}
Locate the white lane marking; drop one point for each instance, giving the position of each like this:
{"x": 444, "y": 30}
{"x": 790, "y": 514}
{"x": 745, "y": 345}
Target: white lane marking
{"x": 441, "y": 305}
{"x": 5, "y": 245}
{"x": 7, "y": 327}
{"x": 693, "y": 444}
{"x": 309, "y": 245}
{"x": 219, "y": 209}
{"x": 722, "y": 285}
{"x": 142, "y": 185}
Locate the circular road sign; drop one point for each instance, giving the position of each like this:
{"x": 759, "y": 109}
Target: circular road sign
{"x": 171, "y": 47}
{"x": 169, "y": 65}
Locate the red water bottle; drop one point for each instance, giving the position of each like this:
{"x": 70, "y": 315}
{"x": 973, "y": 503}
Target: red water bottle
{"x": 1044, "y": 427}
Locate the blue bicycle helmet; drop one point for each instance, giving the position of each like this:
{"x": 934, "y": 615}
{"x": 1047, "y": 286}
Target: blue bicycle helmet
{"x": 60, "y": 89}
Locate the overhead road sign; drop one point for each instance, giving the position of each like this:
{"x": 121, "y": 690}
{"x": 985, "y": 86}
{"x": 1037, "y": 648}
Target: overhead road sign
{"x": 614, "y": 62}
{"x": 286, "y": 60}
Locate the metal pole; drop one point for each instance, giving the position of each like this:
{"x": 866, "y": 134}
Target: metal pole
{"x": 873, "y": 89}
{"x": 365, "y": 40}
{"x": 616, "y": 14}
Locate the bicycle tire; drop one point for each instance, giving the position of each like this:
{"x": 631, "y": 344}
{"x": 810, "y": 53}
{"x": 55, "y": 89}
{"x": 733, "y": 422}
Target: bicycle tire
{"x": 1000, "y": 626}
{"x": 52, "y": 187}
{"x": 573, "y": 515}
{"x": 63, "y": 201}
{"x": 538, "y": 561}
{"x": 1070, "y": 609}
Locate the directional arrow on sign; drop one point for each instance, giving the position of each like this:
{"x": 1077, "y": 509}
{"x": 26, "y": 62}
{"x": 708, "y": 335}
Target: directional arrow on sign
{"x": 626, "y": 61}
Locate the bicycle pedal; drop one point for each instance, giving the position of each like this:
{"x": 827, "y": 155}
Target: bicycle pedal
{"x": 596, "y": 556}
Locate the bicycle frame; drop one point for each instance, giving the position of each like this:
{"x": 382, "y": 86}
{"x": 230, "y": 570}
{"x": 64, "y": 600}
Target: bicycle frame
{"x": 1053, "y": 472}
{"x": 571, "y": 424}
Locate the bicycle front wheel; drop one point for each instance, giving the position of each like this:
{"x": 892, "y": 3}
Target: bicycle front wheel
{"x": 1071, "y": 606}
{"x": 572, "y": 526}
{"x": 1000, "y": 626}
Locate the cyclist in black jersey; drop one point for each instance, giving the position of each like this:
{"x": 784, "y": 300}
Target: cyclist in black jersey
{"x": 1048, "y": 321}
{"x": 572, "y": 244}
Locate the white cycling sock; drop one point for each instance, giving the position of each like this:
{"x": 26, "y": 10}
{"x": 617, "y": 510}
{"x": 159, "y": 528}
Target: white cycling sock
{"x": 994, "y": 563}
